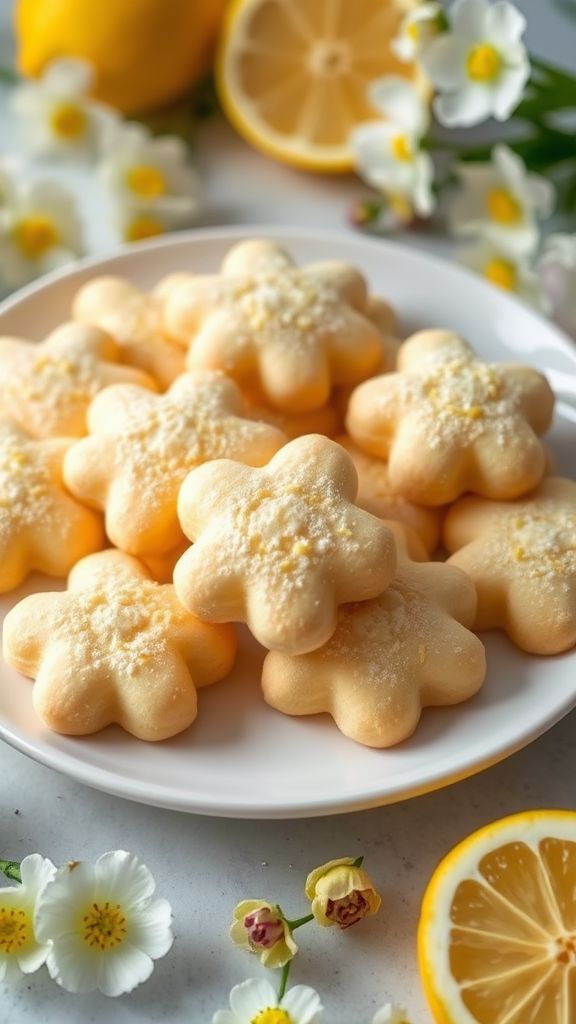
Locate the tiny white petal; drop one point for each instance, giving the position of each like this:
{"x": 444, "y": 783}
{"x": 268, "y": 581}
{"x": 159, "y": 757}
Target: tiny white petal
{"x": 466, "y": 108}
{"x": 401, "y": 102}
{"x": 68, "y": 76}
{"x": 123, "y": 878}
{"x": 468, "y": 17}
{"x": 390, "y": 1014}
{"x": 509, "y": 92}
{"x": 504, "y": 23}
{"x": 444, "y": 61}
{"x": 124, "y": 970}
{"x": 150, "y": 928}
{"x": 303, "y": 1004}
{"x": 74, "y": 967}
{"x": 224, "y": 1017}
{"x": 251, "y": 996}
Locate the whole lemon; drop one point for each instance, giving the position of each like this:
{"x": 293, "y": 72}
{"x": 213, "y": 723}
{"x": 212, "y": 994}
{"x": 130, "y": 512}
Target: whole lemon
{"x": 144, "y": 52}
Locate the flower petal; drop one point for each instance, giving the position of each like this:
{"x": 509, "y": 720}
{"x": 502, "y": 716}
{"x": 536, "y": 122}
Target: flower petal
{"x": 468, "y": 17}
{"x": 57, "y": 908}
{"x": 72, "y": 965}
{"x": 303, "y": 1004}
{"x": 504, "y": 23}
{"x": 123, "y": 969}
{"x": 68, "y": 76}
{"x": 224, "y": 1017}
{"x": 468, "y": 107}
{"x": 123, "y": 878}
{"x": 251, "y": 996}
{"x": 424, "y": 200}
{"x": 444, "y": 61}
{"x": 399, "y": 101}
{"x": 32, "y": 959}
{"x": 509, "y": 92}
{"x": 149, "y": 928}
{"x": 36, "y": 871}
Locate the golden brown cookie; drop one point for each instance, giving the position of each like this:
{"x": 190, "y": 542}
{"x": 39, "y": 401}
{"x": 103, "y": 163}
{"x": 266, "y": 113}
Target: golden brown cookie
{"x": 142, "y": 445}
{"x": 280, "y": 547}
{"x": 409, "y": 648}
{"x": 522, "y": 557}
{"x": 286, "y": 334}
{"x": 448, "y": 423}
{"x": 48, "y": 386}
{"x": 42, "y": 527}
{"x": 115, "y": 647}
{"x": 134, "y": 319}
{"x": 376, "y": 496}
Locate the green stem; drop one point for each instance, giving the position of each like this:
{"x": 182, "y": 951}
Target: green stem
{"x": 284, "y": 981}
{"x": 11, "y": 868}
{"x": 8, "y": 76}
{"x": 299, "y": 921}
{"x": 358, "y": 862}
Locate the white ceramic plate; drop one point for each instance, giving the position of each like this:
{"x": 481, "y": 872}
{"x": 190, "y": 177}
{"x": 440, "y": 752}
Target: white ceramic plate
{"x": 241, "y": 758}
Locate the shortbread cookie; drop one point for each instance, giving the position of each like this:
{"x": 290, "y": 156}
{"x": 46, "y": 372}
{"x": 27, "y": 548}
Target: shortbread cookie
{"x": 134, "y": 319}
{"x": 281, "y": 547}
{"x": 286, "y": 334}
{"x": 115, "y": 647}
{"x": 161, "y": 567}
{"x": 48, "y": 386}
{"x": 448, "y": 423}
{"x": 376, "y": 496}
{"x": 522, "y": 558}
{"x": 142, "y": 445}
{"x": 389, "y": 657}
{"x": 42, "y": 527}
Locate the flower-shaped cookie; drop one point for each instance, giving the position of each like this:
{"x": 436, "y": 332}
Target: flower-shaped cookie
{"x": 41, "y": 526}
{"x": 280, "y": 547}
{"x": 115, "y": 647}
{"x": 389, "y": 657}
{"x": 47, "y": 387}
{"x": 142, "y": 445}
{"x": 376, "y": 496}
{"x": 134, "y": 319}
{"x": 449, "y": 423}
{"x": 522, "y": 557}
{"x": 286, "y": 334}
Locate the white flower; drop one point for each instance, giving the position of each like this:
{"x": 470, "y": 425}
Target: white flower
{"x": 21, "y": 949}
{"x": 151, "y": 176}
{"x": 502, "y": 268}
{"x": 479, "y": 66}
{"x": 106, "y": 929}
{"x": 390, "y": 1014}
{"x": 57, "y": 115}
{"x": 39, "y": 231}
{"x": 557, "y": 273}
{"x": 255, "y": 1002}
{"x": 417, "y": 28}
{"x": 388, "y": 154}
{"x": 501, "y": 201}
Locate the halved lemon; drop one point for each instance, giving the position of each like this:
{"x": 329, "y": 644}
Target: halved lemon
{"x": 292, "y": 74}
{"x": 497, "y": 933}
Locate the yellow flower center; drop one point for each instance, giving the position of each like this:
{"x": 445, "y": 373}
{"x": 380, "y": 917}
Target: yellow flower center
{"x": 104, "y": 926}
{"x": 34, "y": 235}
{"x": 503, "y": 207}
{"x": 502, "y": 273}
{"x": 143, "y": 227}
{"x": 401, "y": 148}
{"x": 146, "y": 181}
{"x": 413, "y": 31}
{"x": 273, "y": 1015}
{"x": 483, "y": 63}
{"x": 68, "y": 121}
{"x": 15, "y": 930}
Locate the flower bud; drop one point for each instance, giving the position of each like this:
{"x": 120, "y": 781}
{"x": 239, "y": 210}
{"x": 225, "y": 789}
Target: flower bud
{"x": 260, "y": 928}
{"x": 341, "y": 893}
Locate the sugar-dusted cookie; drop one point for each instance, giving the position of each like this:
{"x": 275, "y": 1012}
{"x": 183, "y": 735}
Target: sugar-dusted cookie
{"x": 134, "y": 319}
{"x": 522, "y": 558}
{"x": 142, "y": 445}
{"x": 389, "y": 657}
{"x": 280, "y": 547}
{"x": 115, "y": 647}
{"x": 42, "y": 527}
{"x": 286, "y": 334}
{"x": 47, "y": 387}
{"x": 161, "y": 567}
{"x": 449, "y": 423}
{"x": 376, "y": 496}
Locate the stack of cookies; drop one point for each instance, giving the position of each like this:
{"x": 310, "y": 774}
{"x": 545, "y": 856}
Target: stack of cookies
{"x": 256, "y": 447}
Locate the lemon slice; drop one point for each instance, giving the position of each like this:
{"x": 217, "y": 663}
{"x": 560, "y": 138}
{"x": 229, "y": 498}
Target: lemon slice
{"x": 497, "y": 933}
{"x": 292, "y": 74}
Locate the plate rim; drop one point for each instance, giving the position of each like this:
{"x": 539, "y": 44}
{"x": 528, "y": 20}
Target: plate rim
{"x": 161, "y": 795}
